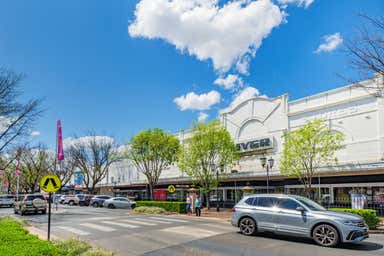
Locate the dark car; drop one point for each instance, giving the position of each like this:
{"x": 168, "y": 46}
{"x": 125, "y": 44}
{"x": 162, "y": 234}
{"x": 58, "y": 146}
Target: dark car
{"x": 97, "y": 201}
{"x": 84, "y": 200}
{"x": 30, "y": 203}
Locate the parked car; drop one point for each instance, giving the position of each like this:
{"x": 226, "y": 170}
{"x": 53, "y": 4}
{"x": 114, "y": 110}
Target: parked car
{"x": 84, "y": 200}
{"x": 61, "y": 199}
{"x": 30, "y": 203}
{"x": 7, "y": 200}
{"x": 97, "y": 201}
{"x": 297, "y": 216}
{"x": 119, "y": 202}
{"x": 71, "y": 200}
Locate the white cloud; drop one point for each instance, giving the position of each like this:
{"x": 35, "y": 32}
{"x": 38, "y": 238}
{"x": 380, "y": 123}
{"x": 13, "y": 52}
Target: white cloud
{"x": 226, "y": 35}
{"x": 331, "y": 43}
{"x": 229, "y": 82}
{"x": 86, "y": 140}
{"x": 299, "y": 3}
{"x": 35, "y": 133}
{"x": 194, "y": 101}
{"x": 248, "y": 93}
{"x": 202, "y": 117}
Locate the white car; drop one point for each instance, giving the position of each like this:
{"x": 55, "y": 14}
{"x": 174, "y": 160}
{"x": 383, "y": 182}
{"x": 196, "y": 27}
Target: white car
{"x": 119, "y": 202}
{"x": 7, "y": 200}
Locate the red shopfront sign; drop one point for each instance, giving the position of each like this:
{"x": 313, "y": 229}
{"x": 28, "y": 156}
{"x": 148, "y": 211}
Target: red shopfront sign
{"x": 160, "y": 195}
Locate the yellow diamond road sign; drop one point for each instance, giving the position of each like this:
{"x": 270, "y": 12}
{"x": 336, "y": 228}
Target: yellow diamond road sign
{"x": 50, "y": 183}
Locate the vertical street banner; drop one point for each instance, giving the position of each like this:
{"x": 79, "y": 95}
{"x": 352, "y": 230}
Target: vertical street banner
{"x": 60, "y": 150}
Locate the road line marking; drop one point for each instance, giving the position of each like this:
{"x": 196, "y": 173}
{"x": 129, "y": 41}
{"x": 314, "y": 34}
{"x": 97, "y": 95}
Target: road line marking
{"x": 156, "y": 221}
{"x": 168, "y": 219}
{"x": 101, "y": 218}
{"x": 191, "y": 231}
{"x": 120, "y": 224}
{"x": 140, "y": 222}
{"x": 74, "y": 230}
{"x": 97, "y": 227}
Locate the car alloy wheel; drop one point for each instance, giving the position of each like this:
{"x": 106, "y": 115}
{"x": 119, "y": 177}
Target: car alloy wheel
{"x": 247, "y": 226}
{"x": 111, "y": 206}
{"x": 95, "y": 205}
{"x": 71, "y": 203}
{"x": 326, "y": 235}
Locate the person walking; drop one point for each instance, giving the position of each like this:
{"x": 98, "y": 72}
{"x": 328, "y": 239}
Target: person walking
{"x": 198, "y": 206}
{"x": 188, "y": 207}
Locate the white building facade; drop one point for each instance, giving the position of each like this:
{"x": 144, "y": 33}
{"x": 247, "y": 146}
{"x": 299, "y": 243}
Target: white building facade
{"x": 257, "y": 125}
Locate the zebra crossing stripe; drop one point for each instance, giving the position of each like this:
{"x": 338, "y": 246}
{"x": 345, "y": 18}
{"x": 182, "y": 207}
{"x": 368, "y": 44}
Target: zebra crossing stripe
{"x": 74, "y": 230}
{"x": 191, "y": 231}
{"x": 169, "y": 219}
{"x": 140, "y": 222}
{"x": 97, "y": 227}
{"x": 156, "y": 221}
{"x": 120, "y": 224}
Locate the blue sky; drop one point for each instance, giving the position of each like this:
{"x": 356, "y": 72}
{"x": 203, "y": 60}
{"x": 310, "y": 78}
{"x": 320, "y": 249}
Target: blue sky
{"x": 95, "y": 75}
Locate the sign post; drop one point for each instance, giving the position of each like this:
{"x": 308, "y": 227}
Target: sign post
{"x": 50, "y": 183}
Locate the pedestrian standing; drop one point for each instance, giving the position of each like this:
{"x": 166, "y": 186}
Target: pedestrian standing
{"x": 188, "y": 202}
{"x": 198, "y": 206}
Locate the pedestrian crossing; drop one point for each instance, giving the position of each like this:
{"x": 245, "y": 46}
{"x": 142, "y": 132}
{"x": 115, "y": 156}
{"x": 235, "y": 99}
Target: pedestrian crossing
{"x": 123, "y": 224}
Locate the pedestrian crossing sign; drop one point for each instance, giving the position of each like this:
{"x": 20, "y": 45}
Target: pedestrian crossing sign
{"x": 171, "y": 189}
{"x": 50, "y": 183}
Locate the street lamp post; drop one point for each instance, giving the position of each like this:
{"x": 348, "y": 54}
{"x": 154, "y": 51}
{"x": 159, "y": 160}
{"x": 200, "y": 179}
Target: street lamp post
{"x": 234, "y": 172}
{"x": 213, "y": 169}
{"x": 267, "y": 165}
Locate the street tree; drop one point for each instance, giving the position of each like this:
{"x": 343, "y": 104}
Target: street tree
{"x": 152, "y": 151}
{"x": 307, "y": 149}
{"x": 16, "y": 118}
{"x": 35, "y": 162}
{"x": 92, "y": 155}
{"x": 64, "y": 169}
{"x": 8, "y": 163}
{"x": 210, "y": 145}
{"x": 366, "y": 52}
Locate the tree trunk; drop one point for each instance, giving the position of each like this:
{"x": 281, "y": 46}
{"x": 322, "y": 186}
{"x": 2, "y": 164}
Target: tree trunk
{"x": 207, "y": 198}
{"x": 150, "y": 191}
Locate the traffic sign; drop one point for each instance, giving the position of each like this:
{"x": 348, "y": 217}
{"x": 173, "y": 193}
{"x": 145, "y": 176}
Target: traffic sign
{"x": 171, "y": 189}
{"x": 50, "y": 183}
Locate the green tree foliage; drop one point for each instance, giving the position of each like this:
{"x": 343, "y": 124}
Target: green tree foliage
{"x": 151, "y": 152}
{"x": 307, "y": 149}
{"x": 211, "y": 144}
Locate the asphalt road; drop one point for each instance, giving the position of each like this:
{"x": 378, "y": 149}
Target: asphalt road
{"x": 127, "y": 234}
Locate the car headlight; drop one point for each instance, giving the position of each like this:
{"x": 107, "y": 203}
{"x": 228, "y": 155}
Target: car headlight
{"x": 352, "y": 223}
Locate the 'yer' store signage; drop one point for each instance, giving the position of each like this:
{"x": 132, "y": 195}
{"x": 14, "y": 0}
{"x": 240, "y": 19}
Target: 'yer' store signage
{"x": 255, "y": 145}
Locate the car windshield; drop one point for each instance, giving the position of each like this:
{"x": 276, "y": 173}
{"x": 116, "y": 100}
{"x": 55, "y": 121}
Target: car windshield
{"x": 310, "y": 204}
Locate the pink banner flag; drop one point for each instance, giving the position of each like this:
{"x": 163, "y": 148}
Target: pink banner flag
{"x": 17, "y": 171}
{"x": 60, "y": 150}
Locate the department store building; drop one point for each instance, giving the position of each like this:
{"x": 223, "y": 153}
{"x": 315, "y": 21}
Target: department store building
{"x": 257, "y": 125}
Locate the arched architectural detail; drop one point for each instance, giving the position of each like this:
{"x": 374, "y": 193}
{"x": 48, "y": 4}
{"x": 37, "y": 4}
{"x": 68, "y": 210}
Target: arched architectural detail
{"x": 251, "y": 128}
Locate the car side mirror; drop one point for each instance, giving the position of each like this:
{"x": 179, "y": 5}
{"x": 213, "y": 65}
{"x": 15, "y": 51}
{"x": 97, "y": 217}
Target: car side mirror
{"x": 300, "y": 209}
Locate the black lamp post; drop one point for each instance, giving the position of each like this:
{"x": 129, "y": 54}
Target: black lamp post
{"x": 213, "y": 169}
{"x": 267, "y": 165}
{"x": 234, "y": 172}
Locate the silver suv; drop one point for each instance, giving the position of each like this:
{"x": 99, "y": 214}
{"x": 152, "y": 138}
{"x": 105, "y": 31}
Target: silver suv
{"x": 297, "y": 216}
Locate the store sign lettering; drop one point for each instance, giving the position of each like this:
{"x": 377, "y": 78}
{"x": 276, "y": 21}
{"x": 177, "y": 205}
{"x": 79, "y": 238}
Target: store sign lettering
{"x": 259, "y": 144}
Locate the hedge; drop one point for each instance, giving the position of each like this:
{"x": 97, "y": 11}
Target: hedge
{"x": 369, "y": 215}
{"x": 179, "y": 207}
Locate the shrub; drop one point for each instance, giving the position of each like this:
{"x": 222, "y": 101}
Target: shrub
{"x": 73, "y": 246}
{"x": 369, "y": 215}
{"x": 179, "y": 207}
{"x": 149, "y": 210}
